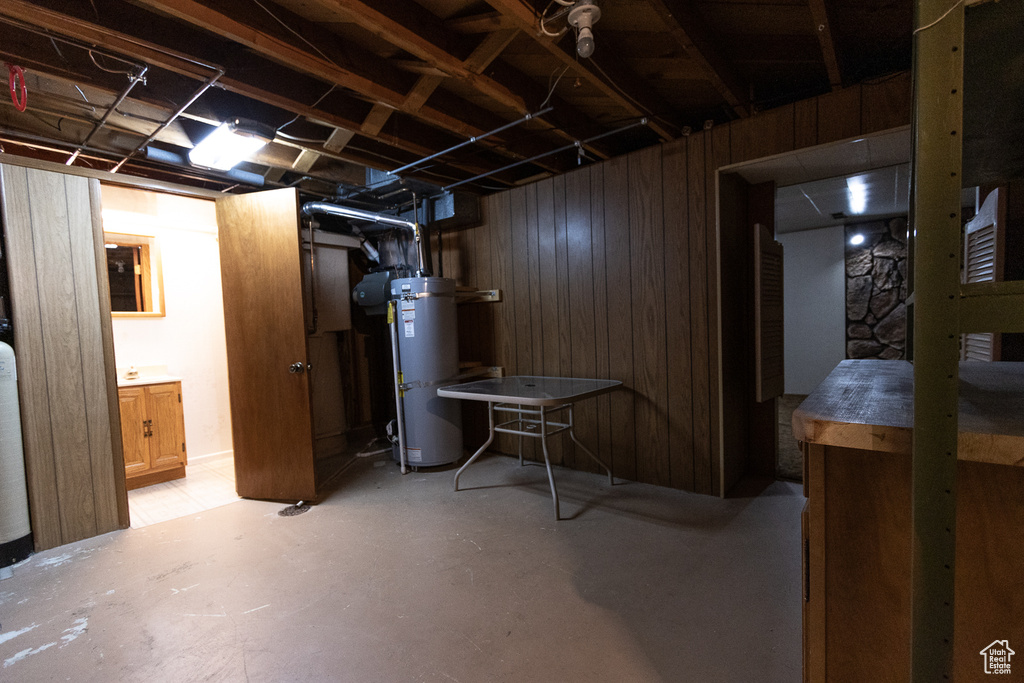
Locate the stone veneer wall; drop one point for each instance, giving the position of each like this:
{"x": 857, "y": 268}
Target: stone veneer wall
{"x": 876, "y": 290}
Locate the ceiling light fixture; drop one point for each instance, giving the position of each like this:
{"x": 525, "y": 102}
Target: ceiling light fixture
{"x": 231, "y": 142}
{"x": 857, "y": 240}
{"x": 582, "y": 17}
{"x": 858, "y": 190}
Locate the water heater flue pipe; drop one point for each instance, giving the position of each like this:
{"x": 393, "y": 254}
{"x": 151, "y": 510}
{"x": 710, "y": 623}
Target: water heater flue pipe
{"x": 310, "y": 208}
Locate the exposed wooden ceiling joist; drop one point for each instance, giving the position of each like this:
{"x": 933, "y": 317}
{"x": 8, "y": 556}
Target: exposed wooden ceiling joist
{"x": 107, "y": 39}
{"x": 828, "y": 50}
{"x": 617, "y": 82}
{"x": 690, "y": 30}
{"x": 346, "y": 74}
{"x": 411, "y": 28}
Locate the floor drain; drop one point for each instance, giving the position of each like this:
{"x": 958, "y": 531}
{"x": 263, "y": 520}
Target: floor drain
{"x": 293, "y": 510}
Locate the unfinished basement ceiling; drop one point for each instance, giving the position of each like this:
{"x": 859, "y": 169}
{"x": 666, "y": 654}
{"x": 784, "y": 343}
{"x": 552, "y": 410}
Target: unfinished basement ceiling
{"x": 351, "y": 84}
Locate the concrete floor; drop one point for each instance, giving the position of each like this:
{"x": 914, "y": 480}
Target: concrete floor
{"x": 401, "y": 579}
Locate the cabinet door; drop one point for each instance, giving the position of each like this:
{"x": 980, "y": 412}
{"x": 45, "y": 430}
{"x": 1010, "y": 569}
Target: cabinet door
{"x": 133, "y": 417}
{"x": 167, "y": 439}
{"x": 265, "y": 331}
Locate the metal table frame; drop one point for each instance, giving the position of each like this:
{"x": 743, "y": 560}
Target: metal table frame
{"x": 532, "y": 422}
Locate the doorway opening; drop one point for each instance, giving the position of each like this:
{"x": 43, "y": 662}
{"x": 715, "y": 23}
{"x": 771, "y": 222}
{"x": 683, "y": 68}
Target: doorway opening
{"x": 170, "y": 358}
{"x": 820, "y": 193}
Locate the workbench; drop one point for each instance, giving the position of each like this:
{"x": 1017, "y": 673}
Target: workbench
{"x": 856, "y": 430}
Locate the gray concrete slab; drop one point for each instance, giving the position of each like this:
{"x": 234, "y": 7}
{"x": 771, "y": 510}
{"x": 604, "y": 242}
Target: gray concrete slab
{"x": 398, "y": 578}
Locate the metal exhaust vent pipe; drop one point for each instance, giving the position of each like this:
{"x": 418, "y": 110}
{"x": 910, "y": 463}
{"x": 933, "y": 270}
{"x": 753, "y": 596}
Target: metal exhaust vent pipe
{"x": 422, "y": 269}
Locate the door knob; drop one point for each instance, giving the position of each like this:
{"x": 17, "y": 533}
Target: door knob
{"x": 297, "y": 368}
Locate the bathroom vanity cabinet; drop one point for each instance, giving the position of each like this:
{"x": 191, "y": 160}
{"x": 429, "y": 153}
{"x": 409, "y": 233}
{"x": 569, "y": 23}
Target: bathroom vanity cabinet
{"x": 153, "y": 431}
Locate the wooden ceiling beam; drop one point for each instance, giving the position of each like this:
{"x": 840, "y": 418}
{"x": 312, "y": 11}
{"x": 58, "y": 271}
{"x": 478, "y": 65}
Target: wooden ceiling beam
{"x": 179, "y": 63}
{"x": 486, "y": 22}
{"x": 688, "y": 28}
{"x": 352, "y": 71}
{"x": 408, "y": 26}
{"x": 625, "y": 88}
{"x": 287, "y": 53}
{"x": 823, "y": 29}
{"x": 399, "y": 22}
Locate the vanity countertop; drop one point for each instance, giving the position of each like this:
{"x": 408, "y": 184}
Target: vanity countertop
{"x": 146, "y": 379}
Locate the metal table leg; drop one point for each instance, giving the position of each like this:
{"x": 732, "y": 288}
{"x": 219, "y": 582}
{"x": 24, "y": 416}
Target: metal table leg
{"x": 490, "y": 438}
{"x": 572, "y": 433}
{"x": 520, "y": 427}
{"x": 547, "y": 460}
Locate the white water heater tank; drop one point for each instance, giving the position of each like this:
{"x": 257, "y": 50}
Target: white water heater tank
{"x": 15, "y": 530}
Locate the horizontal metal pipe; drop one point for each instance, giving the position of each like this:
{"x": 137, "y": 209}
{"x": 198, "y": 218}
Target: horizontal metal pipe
{"x": 577, "y": 143}
{"x": 133, "y": 79}
{"x": 195, "y": 96}
{"x": 310, "y": 208}
{"x": 475, "y": 138}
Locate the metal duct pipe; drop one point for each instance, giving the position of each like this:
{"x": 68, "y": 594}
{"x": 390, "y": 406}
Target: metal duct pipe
{"x": 422, "y": 269}
{"x": 157, "y": 154}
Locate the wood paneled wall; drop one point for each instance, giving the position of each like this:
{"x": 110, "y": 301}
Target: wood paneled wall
{"x": 613, "y": 271}
{"x": 65, "y": 355}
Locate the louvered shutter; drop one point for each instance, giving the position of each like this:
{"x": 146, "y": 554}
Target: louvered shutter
{"x": 768, "y": 321}
{"x": 982, "y": 263}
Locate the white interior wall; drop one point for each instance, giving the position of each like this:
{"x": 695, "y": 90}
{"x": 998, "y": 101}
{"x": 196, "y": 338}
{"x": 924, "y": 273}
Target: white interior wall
{"x": 189, "y": 340}
{"x": 815, "y": 305}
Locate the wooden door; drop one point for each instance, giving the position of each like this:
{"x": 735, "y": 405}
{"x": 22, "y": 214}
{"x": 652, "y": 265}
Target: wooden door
{"x": 133, "y": 417}
{"x": 265, "y": 332}
{"x": 166, "y": 429}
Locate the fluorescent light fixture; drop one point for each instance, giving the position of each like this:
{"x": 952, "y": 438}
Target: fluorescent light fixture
{"x": 231, "y": 142}
{"x": 858, "y": 191}
{"x": 857, "y": 240}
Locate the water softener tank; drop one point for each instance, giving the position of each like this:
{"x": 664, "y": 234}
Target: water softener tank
{"x": 15, "y": 532}
{"x": 428, "y": 357}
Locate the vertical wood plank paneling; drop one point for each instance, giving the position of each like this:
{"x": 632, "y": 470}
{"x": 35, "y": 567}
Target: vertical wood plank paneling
{"x": 94, "y": 374}
{"x": 501, "y": 271}
{"x": 521, "y": 280}
{"x": 647, "y": 256}
{"x": 531, "y": 447}
{"x": 677, "y": 315}
{"x": 718, "y": 157}
{"x": 533, "y": 251}
{"x": 805, "y": 123}
{"x": 596, "y": 243}
{"x": 768, "y": 133}
{"x": 483, "y": 278}
{"x": 779, "y": 133}
{"x": 40, "y": 467}
{"x": 744, "y": 147}
{"x": 884, "y": 103}
{"x": 548, "y": 278}
{"x": 548, "y": 263}
{"x": 839, "y": 115}
{"x": 620, "y": 336}
{"x": 107, "y": 335}
{"x": 699, "y": 362}
{"x": 561, "y": 452}
{"x": 62, "y": 346}
{"x": 581, "y": 297}
{"x": 602, "y": 436}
